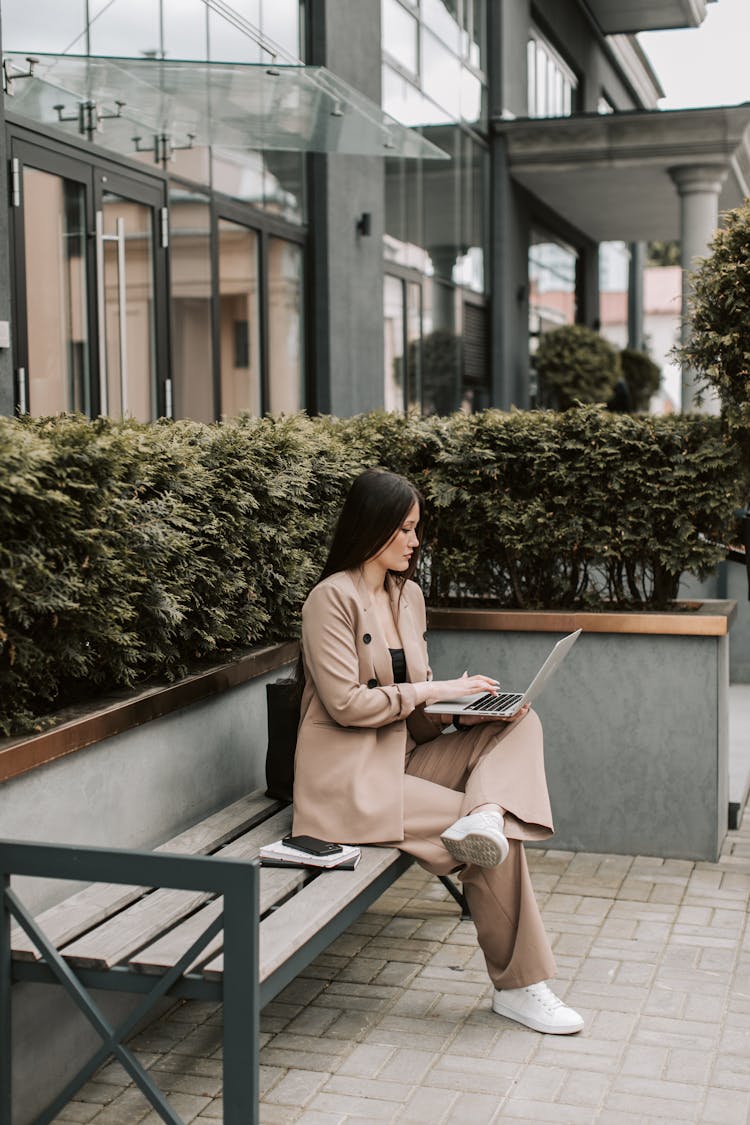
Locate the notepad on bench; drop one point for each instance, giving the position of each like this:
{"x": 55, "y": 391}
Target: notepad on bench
{"x": 505, "y": 704}
{"x": 279, "y": 854}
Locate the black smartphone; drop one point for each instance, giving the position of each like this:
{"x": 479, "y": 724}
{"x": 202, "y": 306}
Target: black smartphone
{"x": 311, "y": 845}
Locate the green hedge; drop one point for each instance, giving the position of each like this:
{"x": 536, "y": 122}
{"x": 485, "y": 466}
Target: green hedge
{"x": 129, "y": 551}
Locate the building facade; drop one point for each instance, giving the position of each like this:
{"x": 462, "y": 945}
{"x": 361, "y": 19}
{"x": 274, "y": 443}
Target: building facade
{"x": 258, "y": 263}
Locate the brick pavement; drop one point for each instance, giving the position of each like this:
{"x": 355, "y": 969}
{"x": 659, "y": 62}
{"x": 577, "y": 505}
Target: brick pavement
{"x": 392, "y": 1023}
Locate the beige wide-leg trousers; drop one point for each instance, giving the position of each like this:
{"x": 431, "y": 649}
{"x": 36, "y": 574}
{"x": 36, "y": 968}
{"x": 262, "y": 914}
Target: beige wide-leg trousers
{"x": 451, "y": 776}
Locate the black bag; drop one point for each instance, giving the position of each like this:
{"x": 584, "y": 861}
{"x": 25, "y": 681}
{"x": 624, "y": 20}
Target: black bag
{"x": 283, "y": 702}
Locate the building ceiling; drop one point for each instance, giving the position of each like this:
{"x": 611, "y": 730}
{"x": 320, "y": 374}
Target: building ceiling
{"x": 609, "y": 175}
{"x": 617, "y": 16}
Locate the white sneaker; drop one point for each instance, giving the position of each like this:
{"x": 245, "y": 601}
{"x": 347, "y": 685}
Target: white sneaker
{"x": 537, "y": 1007}
{"x": 477, "y": 838}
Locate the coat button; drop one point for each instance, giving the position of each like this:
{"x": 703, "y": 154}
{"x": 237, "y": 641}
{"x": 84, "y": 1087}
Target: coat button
{"x": 372, "y": 683}
{"x": 367, "y": 638}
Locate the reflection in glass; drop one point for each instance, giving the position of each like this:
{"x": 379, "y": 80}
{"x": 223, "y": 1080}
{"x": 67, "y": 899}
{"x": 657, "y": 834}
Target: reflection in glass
{"x": 441, "y": 348}
{"x": 552, "y": 284}
{"x": 280, "y": 21}
{"x": 55, "y": 251}
{"x": 441, "y": 16}
{"x": 442, "y": 238}
{"x": 399, "y": 35}
{"x": 227, "y": 43}
{"x": 474, "y": 188}
{"x": 393, "y": 327}
{"x": 239, "y": 174}
{"x": 285, "y": 327}
{"x": 477, "y": 33}
{"x": 239, "y": 319}
{"x": 129, "y": 308}
{"x": 413, "y": 344}
{"x": 190, "y": 290}
{"x": 45, "y": 25}
{"x": 441, "y": 75}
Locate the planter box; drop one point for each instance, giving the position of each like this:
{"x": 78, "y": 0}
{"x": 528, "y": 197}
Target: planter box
{"x": 635, "y": 720}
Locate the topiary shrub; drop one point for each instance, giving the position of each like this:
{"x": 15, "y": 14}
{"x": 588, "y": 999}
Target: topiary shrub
{"x": 130, "y": 551}
{"x": 719, "y": 307}
{"x": 642, "y": 376}
{"x": 576, "y": 364}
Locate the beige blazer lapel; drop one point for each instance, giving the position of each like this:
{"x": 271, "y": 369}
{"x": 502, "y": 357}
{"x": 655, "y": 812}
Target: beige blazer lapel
{"x": 377, "y": 647}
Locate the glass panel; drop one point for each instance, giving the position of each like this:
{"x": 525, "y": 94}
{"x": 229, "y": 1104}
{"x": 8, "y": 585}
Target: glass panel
{"x": 552, "y": 284}
{"x": 285, "y": 327}
{"x": 441, "y": 75}
{"x": 399, "y": 33}
{"x": 478, "y": 34}
{"x": 393, "y": 326}
{"x": 471, "y": 98}
{"x": 306, "y": 109}
{"x": 185, "y": 29}
{"x": 129, "y": 308}
{"x": 55, "y": 237}
{"x": 441, "y": 205}
{"x": 441, "y": 349}
{"x": 403, "y": 101}
{"x": 469, "y": 268}
{"x": 284, "y": 185}
{"x": 414, "y": 343}
{"x": 45, "y": 25}
{"x": 239, "y": 174}
{"x": 125, "y": 27}
{"x": 441, "y": 16}
{"x": 239, "y": 319}
{"x": 531, "y": 78}
{"x": 190, "y": 285}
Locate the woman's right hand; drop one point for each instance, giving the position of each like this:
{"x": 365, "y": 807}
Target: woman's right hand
{"x": 437, "y": 690}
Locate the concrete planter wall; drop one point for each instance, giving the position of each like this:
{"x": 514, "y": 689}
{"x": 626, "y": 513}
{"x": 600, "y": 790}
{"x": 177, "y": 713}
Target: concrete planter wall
{"x": 635, "y": 721}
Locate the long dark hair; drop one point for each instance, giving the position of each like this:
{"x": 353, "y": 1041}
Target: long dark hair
{"x": 376, "y": 505}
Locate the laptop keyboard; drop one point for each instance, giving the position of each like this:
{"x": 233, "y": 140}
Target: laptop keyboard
{"x": 491, "y": 702}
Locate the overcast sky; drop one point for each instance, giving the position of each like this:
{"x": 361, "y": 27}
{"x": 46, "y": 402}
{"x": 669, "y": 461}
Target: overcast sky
{"x": 708, "y": 65}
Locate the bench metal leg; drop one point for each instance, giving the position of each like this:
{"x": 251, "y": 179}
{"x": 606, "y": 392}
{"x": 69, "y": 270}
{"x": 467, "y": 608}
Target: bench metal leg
{"x": 5, "y": 983}
{"x": 458, "y": 896}
{"x": 242, "y": 1002}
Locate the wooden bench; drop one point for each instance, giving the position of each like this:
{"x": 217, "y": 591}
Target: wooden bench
{"x": 197, "y": 918}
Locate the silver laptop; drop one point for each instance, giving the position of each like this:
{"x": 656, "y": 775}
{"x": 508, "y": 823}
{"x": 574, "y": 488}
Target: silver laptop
{"x": 506, "y": 703}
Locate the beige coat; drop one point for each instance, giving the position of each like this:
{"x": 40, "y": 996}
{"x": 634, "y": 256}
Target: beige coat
{"x": 356, "y": 724}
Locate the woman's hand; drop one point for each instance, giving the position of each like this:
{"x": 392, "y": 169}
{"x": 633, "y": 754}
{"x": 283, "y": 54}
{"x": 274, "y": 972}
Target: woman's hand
{"x": 433, "y": 691}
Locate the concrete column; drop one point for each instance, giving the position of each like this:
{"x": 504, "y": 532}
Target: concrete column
{"x": 698, "y": 186}
{"x": 635, "y": 295}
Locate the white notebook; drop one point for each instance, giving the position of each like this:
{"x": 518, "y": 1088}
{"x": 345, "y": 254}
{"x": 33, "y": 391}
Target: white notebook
{"x": 278, "y": 852}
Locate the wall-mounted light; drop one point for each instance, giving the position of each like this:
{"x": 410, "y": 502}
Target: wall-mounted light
{"x": 364, "y": 224}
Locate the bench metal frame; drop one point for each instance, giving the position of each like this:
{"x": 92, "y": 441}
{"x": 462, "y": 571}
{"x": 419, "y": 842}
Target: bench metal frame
{"x": 241, "y": 993}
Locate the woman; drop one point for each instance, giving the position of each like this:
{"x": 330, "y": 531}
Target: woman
{"x": 372, "y": 768}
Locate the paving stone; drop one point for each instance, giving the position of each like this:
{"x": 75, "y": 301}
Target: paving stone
{"x": 427, "y": 1106}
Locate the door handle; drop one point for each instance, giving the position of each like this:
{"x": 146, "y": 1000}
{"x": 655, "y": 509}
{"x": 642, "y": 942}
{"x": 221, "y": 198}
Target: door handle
{"x": 119, "y": 239}
{"x": 101, "y": 315}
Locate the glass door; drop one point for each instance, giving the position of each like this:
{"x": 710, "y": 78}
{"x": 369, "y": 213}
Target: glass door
{"x": 128, "y": 245}
{"x": 89, "y": 250}
{"x": 52, "y": 279}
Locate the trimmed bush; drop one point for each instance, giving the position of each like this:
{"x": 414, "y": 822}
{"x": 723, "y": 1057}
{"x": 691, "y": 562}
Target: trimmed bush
{"x": 576, "y": 364}
{"x": 719, "y": 343}
{"x": 642, "y": 376}
{"x": 130, "y": 551}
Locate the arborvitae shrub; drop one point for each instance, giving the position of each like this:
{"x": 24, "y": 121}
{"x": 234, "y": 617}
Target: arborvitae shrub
{"x": 642, "y": 375}
{"x": 576, "y": 364}
{"x": 130, "y": 551}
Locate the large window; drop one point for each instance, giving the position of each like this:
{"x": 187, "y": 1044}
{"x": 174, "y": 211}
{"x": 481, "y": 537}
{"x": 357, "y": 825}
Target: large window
{"x": 553, "y": 267}
{"x": 286, "y": 391}
{"x": 190, "y": 291}
{"x": 239, "y": 319}
{"x": 436, "y": 213}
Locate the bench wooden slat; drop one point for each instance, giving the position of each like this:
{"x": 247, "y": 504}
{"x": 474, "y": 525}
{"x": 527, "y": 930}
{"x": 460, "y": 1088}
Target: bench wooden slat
{"x": 67, "y": 920}
{"x": 120, "y": 936}
{"x": 276, "y": 883}
{"x": 287, "y": 929}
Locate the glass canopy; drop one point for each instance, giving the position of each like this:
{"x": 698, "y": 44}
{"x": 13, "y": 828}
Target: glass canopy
{"x": 132, "y": 104}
